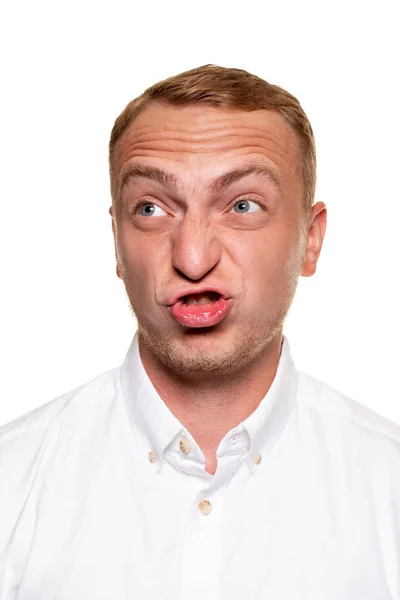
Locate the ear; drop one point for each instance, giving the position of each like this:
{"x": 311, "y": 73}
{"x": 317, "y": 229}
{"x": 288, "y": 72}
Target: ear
{"x": 315, "y": 237}
{"x": 118, "y": 268}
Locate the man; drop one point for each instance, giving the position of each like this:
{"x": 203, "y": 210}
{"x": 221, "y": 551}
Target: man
{"x": 206, "y": 467}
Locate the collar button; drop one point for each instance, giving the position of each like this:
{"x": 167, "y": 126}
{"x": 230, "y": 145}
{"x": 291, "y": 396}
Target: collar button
{"x": 153, "y": 456}
{"x": 257, "y": 458}
{"x": 185, "y": 446}
{"x": 205, "y": 507}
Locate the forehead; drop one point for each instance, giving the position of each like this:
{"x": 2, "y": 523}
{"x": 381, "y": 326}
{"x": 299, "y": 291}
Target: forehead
{"x": 202, "y": 139}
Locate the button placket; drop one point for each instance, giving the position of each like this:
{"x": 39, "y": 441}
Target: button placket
{"x": 202, "y": 546}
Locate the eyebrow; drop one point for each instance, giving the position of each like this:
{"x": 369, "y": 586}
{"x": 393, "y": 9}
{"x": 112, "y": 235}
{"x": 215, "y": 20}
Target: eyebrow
{"x": 169, "y": 181}
{"x": 269, "y": 171}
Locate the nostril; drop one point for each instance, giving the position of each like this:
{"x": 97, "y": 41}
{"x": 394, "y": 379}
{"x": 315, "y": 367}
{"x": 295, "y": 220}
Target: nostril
{"x": 192, "y": 279}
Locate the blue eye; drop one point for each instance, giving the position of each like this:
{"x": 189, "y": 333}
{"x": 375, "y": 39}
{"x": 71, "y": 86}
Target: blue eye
{"x": 246, "y": 206}
{"x": 149, "y": 209}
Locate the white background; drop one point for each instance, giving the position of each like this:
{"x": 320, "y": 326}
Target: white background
{"x": 69, "y": 68}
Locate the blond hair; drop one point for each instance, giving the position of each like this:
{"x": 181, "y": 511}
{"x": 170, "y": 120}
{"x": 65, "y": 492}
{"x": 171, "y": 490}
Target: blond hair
{"x": 232, "y": 89}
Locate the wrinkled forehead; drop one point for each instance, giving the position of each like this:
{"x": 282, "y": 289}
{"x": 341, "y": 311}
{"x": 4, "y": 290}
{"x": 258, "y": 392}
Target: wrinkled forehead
{"x": 200, "y": 140}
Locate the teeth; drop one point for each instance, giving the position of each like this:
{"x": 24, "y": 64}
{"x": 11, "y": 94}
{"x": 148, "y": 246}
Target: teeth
{"x": 201, "y": 298}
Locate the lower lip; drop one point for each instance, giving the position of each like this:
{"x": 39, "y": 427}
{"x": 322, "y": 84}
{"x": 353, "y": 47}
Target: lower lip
{"x": 200, "y": 315}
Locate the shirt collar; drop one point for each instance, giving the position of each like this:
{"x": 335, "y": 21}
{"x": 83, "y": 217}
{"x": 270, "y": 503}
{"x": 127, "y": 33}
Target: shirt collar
{"x": 153, "y": 423}
{"x": 159, "y": 432}
{"x": 266, "y": 423}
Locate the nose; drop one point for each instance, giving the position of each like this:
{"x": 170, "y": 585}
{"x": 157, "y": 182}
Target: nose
{"x": 196, "y": 248}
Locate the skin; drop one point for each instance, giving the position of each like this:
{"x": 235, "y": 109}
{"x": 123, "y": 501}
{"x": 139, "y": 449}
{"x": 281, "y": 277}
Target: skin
{"x": 195, "y": 238}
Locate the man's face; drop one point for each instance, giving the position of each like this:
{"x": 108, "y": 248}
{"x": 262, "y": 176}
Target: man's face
{"x": 210, "y": 233}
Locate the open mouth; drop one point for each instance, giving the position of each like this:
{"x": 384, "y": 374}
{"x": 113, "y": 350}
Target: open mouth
{"x": 204, "y": 309}
{"x": 202, "y": 298}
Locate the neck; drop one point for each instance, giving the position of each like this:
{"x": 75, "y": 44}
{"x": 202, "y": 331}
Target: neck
{"x": 208, "y": 410}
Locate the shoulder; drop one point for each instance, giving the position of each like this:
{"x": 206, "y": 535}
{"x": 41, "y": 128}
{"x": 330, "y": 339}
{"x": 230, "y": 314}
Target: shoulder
{"x": 74, "y": 410}
{"x": 355, "y": 422}
{"x": 48, "y": 438}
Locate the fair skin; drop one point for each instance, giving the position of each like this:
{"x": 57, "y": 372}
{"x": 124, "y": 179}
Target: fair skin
{"x": 182, "y": 225}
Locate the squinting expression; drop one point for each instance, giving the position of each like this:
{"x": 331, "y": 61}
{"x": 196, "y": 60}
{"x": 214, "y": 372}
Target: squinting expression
{"x": 209, "y": 232}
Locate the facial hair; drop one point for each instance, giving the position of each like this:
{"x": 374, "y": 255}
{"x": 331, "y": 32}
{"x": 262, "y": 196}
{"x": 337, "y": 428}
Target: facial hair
{"x": 178, "y": 356}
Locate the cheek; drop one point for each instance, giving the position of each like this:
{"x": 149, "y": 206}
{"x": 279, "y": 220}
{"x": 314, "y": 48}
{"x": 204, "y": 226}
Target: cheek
{"x": 144, "y": 264}
{"x": 137, "y": 261}
{"x": 271, "y": 264}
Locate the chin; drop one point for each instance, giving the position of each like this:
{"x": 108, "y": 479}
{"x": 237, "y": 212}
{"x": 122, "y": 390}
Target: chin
{"x": 206, "y": 351}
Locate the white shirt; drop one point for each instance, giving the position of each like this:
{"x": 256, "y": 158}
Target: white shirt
{"x": 104, "y": 496}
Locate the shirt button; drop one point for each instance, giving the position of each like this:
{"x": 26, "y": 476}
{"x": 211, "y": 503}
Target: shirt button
{"x": 257, "y": 458}
{"x": 153, "y": 456}
{"x": 205, "y": 507}
{"x": 185, "y": 446}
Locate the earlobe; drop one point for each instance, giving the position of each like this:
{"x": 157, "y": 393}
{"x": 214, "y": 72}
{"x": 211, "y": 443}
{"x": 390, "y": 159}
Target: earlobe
{"x": 309, "y": 265}
{"x": 316, "y": 233}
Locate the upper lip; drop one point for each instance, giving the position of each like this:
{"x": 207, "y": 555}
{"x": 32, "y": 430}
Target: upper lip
{"x": 192, "y": 291}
